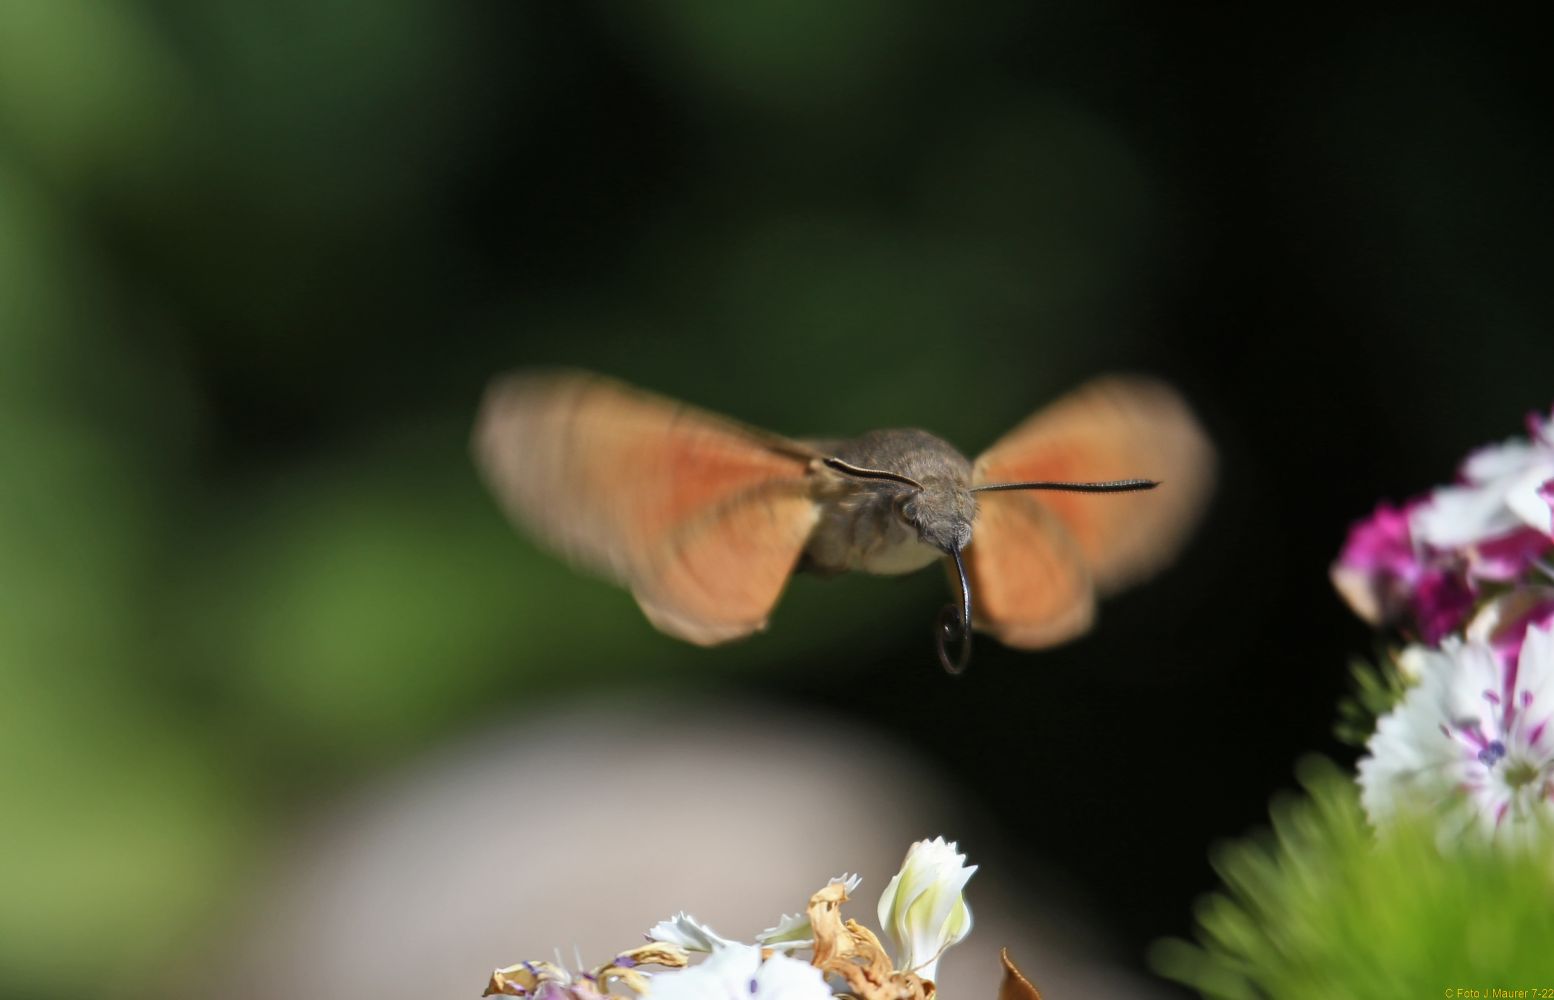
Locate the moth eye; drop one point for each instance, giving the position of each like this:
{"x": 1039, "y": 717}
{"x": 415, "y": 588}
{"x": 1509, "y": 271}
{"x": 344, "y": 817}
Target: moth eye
{"x": 907, "y": 507}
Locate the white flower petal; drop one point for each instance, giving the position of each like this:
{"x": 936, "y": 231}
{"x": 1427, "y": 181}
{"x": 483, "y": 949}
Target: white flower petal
{"x": 1475, "y": 686}
{"x": 784, "y": 978}
{"x": 724, "y": 975}
{"x": 1408, "y": 758}
{"x": 684, "y": 930}
{"x": 1497, "y": 461}
{"x": 1525, "y": 499}
{"x": 736, "y": 972}
{"x": 792, "y": 931}
{"x": 1535, "y": 670}
{"x": 1498, "y": 497}
{"x": 1459, "y": 516}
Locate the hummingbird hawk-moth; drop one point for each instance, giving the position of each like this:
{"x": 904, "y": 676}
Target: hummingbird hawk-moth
{"x": 705, "y": 519}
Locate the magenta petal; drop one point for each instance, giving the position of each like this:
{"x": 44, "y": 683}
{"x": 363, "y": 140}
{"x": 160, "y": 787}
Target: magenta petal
{"x": 1442, "y": 601}
{"x": 1507, "y": 557}
{"x": 1380, "y": 542}
{"x": 1378, "y": 566}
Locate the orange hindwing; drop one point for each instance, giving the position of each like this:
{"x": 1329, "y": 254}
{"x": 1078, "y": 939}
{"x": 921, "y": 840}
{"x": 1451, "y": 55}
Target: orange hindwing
{"x": 702, "y": 518}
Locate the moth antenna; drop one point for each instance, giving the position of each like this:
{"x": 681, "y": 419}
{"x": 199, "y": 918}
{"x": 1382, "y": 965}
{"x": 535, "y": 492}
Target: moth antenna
{"x": 1112, "y": 486}
{"x": 847, "y": 468}
{"x": 955, "y": 624}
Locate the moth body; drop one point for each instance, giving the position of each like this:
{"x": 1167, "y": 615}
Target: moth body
{"x": 884, "y": 527}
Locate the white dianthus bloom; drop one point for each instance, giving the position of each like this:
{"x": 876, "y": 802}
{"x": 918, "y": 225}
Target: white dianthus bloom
{"x": 922, "y": 909}
{"x": 736, "y": 972}
{"x": 1472, "y": 739}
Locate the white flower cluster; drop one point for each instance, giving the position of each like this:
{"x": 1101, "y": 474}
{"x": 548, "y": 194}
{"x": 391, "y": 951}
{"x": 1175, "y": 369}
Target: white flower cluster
{"x": 923, "y": 910}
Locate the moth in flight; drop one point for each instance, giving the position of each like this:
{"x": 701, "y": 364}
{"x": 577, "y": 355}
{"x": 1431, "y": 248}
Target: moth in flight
{"x": 705, "y": 519}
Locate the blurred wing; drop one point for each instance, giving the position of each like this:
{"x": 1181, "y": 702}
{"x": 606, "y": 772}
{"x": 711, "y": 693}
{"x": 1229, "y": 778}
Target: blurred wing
{"x": 719, "y": 576}
{"x": 1029, "y": 584}
{"x": 703, "y": 519}
{"x": 1112, "y": 428}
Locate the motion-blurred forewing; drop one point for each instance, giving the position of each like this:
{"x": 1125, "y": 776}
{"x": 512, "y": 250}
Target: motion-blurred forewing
{"x": 1029, "y": 583}
{"x": 1112, "y": 428}
{"x": 719, "y": 576}
{"x": 702, "y": 518}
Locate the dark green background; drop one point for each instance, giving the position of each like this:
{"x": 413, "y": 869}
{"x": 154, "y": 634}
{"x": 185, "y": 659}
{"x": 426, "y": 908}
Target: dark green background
{"x": 257, "y": 260}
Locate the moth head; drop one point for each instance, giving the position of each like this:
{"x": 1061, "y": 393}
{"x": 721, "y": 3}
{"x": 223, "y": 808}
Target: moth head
{"x": 941, "y": 512}
{"x": 939, "y": 508}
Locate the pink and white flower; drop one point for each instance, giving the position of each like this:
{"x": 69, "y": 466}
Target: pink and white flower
{"x": 1425, "y": 565}
{"x": 1498, "y": 514}
{"x": 1473, "y": 741}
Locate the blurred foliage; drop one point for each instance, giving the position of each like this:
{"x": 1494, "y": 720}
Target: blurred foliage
{"x": 258, "y": 259}
{"x": 1322, "y": 909}
{"x": 1376, "y": 687}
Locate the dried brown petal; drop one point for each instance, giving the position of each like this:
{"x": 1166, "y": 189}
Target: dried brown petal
{"x": 522, "y": 979}
{"x": 832, "y": 942}
{"x": 1015, "y": 986}
{"x": 500, "y": 984}
{"x": 851, "y": 951}
{"x": 625, "y": 965}
{"x": 670, "y": 956}
{"x": 526, "y": 978}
